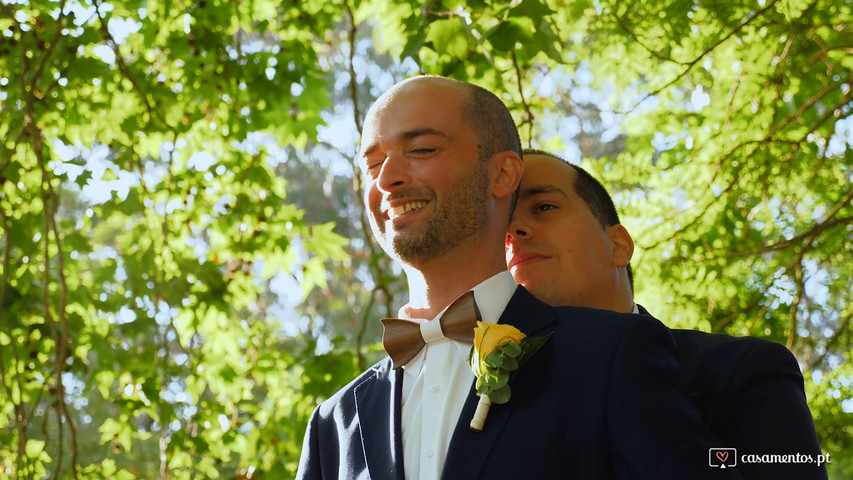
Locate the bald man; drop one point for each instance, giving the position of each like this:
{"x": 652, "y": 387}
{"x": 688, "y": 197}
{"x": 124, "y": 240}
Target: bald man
{"x": 601, "y": 399}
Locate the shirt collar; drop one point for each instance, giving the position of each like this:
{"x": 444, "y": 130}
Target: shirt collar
{"x": 635, "y": 309}
{"x": 492, "y": 296}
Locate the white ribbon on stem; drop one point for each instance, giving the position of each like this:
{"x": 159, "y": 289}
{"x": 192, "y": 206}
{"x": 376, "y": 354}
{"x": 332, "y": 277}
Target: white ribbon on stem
{"x": 481, "y": 413}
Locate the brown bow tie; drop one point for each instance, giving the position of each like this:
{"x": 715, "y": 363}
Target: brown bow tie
{"x": 403, "y": 339}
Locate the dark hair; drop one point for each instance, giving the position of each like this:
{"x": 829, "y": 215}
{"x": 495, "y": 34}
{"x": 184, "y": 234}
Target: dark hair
{"x": 593, "y": 193}
{"x": 491, "y": 121}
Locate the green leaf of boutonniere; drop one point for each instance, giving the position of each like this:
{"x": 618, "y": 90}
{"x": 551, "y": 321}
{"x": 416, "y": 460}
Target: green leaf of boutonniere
{"x": 498, "y": 352}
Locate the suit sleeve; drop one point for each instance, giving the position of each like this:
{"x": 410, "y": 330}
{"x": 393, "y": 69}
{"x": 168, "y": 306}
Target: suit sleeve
{"x": 646, "y": 395}
{"x": 309, "y": 460}
{"x": 767, "y": 413}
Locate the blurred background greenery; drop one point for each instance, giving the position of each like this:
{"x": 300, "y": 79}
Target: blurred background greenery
{"x": 186, "y": 269}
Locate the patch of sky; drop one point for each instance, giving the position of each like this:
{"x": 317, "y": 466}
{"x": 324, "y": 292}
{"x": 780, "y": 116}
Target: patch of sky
{"x": 21, "y": 17}
{"x": 663, "y": 142}
{"x": 102, "y": 253}
{"x": 339, "y": 132}
{"x": 680, "y": 198}
{"x": 253, "y": 143}
{"x": 817, "y": 375}
{"x": 124, "y": 315}
{"x": 232, "y": 52}
{"x": 570, "y": 127}
{"x": 174, "y": 392}
{"x": 698, "y": 99}
{"x": 221, "y": 205}
{"x": 96, "y": 190}
{"x": 121, "y": 28}
{"x": 818, "y": 212}
{"x": 289, "y": 320}
{"x": 643, "y": 102}
{"x": 841, "y": 139}
{"x": 154, "y": 172}
{"x": 545, "y": 86}
{"x": 84, "y": 14}
{"x": 717, "y": 190}
{"x": 105, "y": 54}
{"x": 201, "y": 161}
{"x": 782, "y": 293}
{"x": 612, "y": 123}
{"x": 254, "y": 46}
{"x": 583, "y": 76}
{"x": 816, "y": 281}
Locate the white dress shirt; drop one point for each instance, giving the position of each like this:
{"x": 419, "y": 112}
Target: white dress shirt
{"x": 436, "y": 384}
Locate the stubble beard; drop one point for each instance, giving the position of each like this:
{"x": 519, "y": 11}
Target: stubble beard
{"x": 461, "y": 215}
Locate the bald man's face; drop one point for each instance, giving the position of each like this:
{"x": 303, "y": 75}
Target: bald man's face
{"x": 426, "y": 190}
{"x": 555, "y": 246}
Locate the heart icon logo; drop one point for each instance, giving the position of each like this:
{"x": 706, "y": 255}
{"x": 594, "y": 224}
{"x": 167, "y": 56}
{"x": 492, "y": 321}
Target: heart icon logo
{"x": 723, "y": 456}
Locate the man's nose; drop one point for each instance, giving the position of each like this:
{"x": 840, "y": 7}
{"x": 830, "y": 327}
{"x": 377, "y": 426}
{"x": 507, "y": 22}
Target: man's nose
{"x": 394, "y": 172}
{"x": 518, "y": 230}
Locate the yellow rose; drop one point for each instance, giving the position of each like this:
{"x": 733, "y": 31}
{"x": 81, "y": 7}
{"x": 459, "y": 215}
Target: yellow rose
{"x": 487, "y": 336}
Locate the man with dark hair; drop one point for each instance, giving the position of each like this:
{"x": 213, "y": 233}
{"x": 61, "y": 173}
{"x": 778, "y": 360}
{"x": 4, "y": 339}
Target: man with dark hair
{"x": 566, "y": 246}
{"x": 600, "y": 399}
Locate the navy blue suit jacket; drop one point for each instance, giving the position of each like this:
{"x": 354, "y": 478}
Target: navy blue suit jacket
{"x": 750, "y": 393}
{"x": 602, "y": 399}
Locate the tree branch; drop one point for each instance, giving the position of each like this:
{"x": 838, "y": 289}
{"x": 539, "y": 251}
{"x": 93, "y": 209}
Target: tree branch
{"x": 827, "y": 223}
{"x": 63, "y": 337}
{"x": 792, "y": 312}
{"x": 689, "y": 65}
{"x": 528, "y": 114}
{"x": 125, "y": 70}
{"x": 830, "y": 344}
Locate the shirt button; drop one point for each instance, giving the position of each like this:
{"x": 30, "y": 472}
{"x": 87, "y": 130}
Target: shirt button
{"x": 429, "y": 453}
{"x": 434, "y": 388}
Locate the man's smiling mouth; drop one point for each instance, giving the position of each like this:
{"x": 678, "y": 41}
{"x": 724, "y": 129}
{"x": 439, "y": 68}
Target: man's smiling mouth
{"x": 394, "y": 212}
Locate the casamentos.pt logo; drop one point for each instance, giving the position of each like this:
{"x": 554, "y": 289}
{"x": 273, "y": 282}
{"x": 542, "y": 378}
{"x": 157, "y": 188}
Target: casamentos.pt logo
{"x": 728, "y": 457}
{"x": 722, "y": 457}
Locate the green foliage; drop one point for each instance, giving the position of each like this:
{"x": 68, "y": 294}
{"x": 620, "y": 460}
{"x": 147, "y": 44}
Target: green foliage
{"x": 166, "y": 166}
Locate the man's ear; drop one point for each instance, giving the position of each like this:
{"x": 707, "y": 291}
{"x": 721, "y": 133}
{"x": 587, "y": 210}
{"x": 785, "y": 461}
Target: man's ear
{"x": 623, "y": 245}
{"x": 505, "y": 171}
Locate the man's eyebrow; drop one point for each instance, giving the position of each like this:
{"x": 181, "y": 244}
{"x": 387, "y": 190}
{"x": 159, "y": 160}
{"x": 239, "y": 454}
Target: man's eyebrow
{"x": 541, "y": 190}
{"x": 408, "y": 135}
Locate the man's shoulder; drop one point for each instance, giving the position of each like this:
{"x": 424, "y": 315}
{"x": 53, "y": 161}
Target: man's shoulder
{"x": 528, "y": 310}
{"x": 727, "y": 360}
{"x": 380, "y": 371}
{"x": 696, "y": 343}
{"x": 593, "y": 319}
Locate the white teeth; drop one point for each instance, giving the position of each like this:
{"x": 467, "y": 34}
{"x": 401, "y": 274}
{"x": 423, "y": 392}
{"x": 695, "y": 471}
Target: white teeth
{"x": 401, "y": 209}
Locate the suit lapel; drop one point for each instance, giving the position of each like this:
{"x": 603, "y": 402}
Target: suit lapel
{"x": 377, "y": 401}
{"x": 528, "y": 314}
{"x": 468, "y": 450}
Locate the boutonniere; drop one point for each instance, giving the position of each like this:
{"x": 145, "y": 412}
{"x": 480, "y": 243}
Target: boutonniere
{"x": 497, "y": 353}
